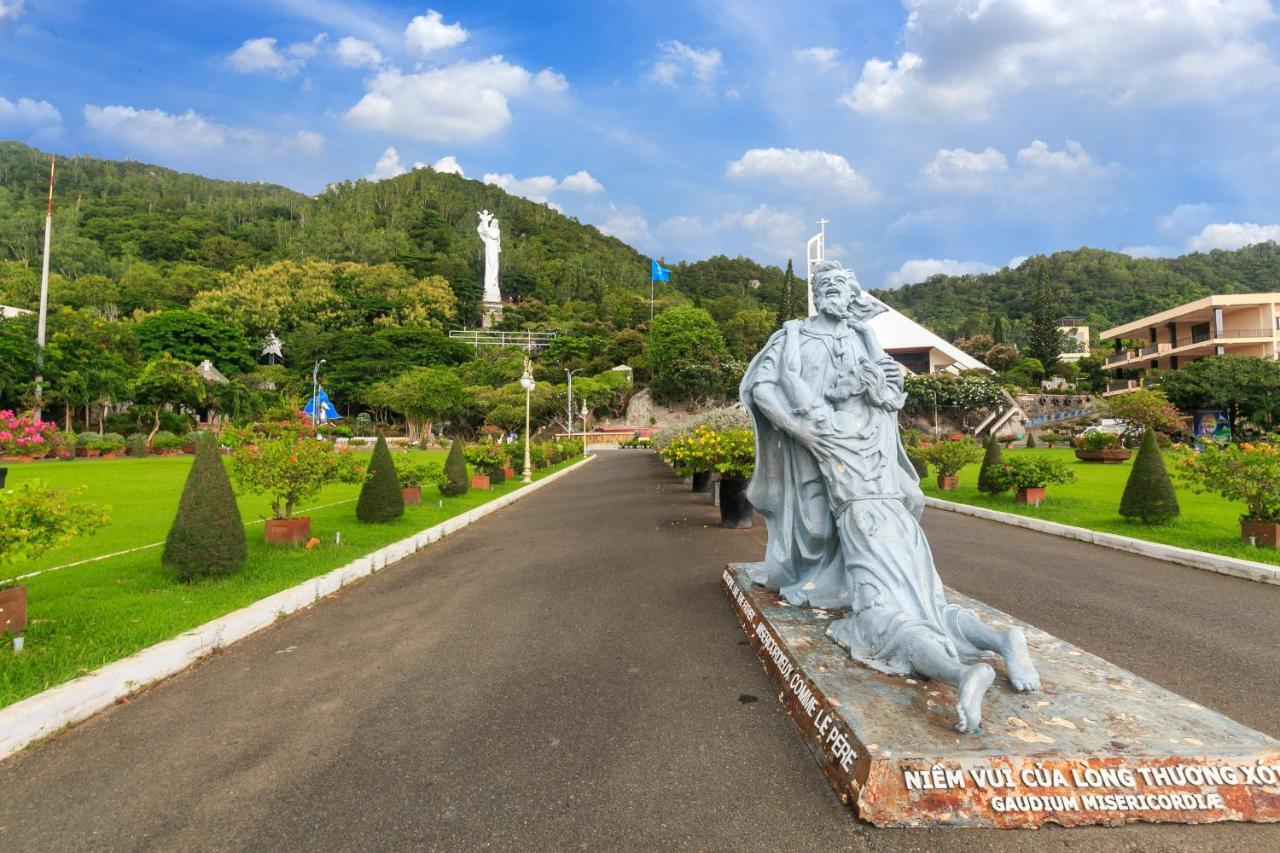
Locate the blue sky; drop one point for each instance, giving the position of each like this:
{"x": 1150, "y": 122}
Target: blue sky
{"x": 935, "y": 136}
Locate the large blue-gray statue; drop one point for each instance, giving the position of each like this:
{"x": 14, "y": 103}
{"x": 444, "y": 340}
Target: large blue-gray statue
{"x": 843, "y": 503}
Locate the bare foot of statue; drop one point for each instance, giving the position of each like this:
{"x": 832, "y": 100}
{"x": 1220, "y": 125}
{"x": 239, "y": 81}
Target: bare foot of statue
{"x": 974, "y": 682}
{"x": 1022, "y": 673}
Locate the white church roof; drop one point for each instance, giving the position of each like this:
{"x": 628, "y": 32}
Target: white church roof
{"x": 897, "y": 331}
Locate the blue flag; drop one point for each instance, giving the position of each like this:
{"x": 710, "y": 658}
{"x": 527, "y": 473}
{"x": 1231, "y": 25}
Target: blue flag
{"x": 658, "y": 272}
{"x": 321, "y": 402}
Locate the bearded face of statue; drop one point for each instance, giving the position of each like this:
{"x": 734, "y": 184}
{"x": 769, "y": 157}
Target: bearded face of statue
{"x": 833, "y": 290}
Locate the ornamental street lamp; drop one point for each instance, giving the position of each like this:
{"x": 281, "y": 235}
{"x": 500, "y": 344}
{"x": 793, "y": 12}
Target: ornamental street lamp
{"x": 526, "y": 382}
{"x": 584, "y": 427}
{"x": 569, "y": 407}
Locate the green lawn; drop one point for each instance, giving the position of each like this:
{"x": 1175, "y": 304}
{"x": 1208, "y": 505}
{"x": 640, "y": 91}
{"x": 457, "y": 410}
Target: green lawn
{"x": 88, "y": 615}
{"x": 1207, "y": 522}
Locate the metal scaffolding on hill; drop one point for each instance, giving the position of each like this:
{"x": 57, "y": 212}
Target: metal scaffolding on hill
{"x": 527, "y": 341}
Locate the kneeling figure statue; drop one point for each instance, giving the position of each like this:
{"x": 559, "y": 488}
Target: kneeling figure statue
{"x": 843, "y": 502}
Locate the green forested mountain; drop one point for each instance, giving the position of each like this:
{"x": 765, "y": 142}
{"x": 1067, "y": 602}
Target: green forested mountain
{"x": 1106, "y": 288}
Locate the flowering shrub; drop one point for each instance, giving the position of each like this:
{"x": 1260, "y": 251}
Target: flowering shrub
{"x": 732, "y": 452}
{"x": 487, "y": 456}
{"x": 1238, "y": 472}
{"x": 35, "y": 518}
{"x": 1097, "y": 440}
{"x": 1029, "y": 472}
{"x": 284, "y": 460}
{"x": 25, "y": 435}
{"x": 964, "y": 392}
{"x": 949, "y": 456}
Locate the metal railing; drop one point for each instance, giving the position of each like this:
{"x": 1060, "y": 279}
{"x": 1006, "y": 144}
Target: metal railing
{"x": 1152, "y": 349}
{"x": 1119, "y": 357}
{"x": 529, "y": 341}
{"x": 1121, "y": 385}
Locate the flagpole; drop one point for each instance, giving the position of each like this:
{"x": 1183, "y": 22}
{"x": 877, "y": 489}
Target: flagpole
{"x": 44, "y": 297}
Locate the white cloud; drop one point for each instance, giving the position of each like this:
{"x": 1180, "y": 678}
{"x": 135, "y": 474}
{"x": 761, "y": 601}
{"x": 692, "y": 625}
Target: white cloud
{"x": 1232, "y": 235}
{"x": 448, "y": 165}
{"x": 678, "y": 61}
{"x": 1069, "y": 171}
{"x": 537, "y": 188}
{"x": 813, "y": 170}
{"x": 581, "y": 182}
{"x": 307, "y": 49}
{"x": 388, "y": 166}
{"x": 357, "y": 53}
{"x": 766, "y": 233}
{"x": 958, "y": 168}
{"x": 463, "y": 102}
{"x": 190, "y": 133}
{"x": 25, "y": 115}
{"x": 1187, "y": 218}
{"x": 961, "y": 57}
{"x": 919, "y": 270}
{"x": 824, "y": 58}
{"x": 551, "y": 81}
{"x": 10, "y": 10}
{"x": 429, "y": 33}
{"x": 1016, "y": 261}
{"x": 260, "y": 54}
{"x": 628, "y": 225}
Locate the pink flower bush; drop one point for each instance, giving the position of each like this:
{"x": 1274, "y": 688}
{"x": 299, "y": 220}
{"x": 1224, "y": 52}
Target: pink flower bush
{"x": 25, "y": 435}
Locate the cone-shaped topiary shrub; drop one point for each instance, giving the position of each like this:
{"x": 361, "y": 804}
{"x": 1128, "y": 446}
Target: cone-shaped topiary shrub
{"x": 380, "y": 497}
{"x": 455, "y": 472}
{"x": 990, "y": 461}
{"x": 207, "y": 536}
{"x": 1031, "y": 439}
{"x": 1148, "y": 495}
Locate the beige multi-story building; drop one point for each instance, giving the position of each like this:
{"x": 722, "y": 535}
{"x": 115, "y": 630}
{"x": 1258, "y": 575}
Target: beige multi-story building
{"x": 1232, "y": 324}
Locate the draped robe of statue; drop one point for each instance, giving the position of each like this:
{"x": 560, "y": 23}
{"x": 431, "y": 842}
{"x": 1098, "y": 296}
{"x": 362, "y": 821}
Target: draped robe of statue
{"x": 844, "y": 531}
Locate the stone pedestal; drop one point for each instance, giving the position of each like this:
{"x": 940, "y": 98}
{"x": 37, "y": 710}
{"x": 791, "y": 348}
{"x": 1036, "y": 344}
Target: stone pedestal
{"x": 1098, "y": 746}
{"x": 490, "y": 315}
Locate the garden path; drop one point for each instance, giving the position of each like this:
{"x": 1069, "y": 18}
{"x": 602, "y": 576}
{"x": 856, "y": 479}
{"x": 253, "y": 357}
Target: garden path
{"x": 568, "y": 673}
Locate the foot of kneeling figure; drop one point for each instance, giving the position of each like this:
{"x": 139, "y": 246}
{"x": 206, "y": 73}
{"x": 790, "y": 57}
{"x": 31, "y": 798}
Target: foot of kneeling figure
{"x": 932, "y": 656}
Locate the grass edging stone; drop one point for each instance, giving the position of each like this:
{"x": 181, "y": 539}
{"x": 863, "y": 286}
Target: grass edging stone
{"x": 1189, "y": 557}
{"x": 44, "y": 714}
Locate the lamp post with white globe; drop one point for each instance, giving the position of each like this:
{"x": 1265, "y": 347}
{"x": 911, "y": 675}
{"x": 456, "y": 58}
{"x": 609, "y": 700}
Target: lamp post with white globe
{"x": 526, "y": 382}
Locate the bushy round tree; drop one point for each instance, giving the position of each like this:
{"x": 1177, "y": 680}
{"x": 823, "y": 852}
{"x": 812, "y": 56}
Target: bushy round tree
{"x": 380, "y": 497}
{"x": 990, "y": 461}
{"x": 207, "y": 536}
{"x": 455, "y": 472}
{"x": 1148, "y": 495}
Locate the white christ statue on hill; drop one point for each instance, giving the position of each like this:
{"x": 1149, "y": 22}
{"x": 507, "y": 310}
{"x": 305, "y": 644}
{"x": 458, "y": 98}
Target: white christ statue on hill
{"x": 492, "y": 237}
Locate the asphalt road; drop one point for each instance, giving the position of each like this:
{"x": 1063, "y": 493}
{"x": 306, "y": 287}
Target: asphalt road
{"x": 568, "y": 674}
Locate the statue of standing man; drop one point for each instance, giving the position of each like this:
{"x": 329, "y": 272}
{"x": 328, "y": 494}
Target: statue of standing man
{"x": 492, "y": 237}
{"x": 843, "y": 502}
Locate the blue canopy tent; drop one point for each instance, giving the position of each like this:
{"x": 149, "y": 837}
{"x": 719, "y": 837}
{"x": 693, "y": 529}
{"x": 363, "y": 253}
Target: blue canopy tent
{"x": 321, "y": 402}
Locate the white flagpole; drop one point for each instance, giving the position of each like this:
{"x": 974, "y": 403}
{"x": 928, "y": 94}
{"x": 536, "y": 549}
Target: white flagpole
{"x": 44, "y": 296}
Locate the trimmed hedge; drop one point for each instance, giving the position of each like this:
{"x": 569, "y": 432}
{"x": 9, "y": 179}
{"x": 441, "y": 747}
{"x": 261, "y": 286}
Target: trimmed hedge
{"x": 207, "y": 536}
{"x": 380, "y": 498}
{"x": 1148, "y": 494}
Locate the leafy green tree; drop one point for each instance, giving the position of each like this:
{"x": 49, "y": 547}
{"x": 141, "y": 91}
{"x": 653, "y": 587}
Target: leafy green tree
{"x": 747, "y": 331}
{"x": 456, "y": 481}
{"x": 1148, "y": 493}
{"x": 792, "y": 300}
{"x": 1245, "y": 386}
{"x": 424, "y": 395}
{"x": 380, "y": 497}
{"x": 1044, "y": 341}
{"x": 193, "y": 337}
{"x": 991, "y": 460}
{"x": 166, "y": 381}
{"x": 35, "y": 518}
{"x": 207, "y": 535}
{"x": 17, "y": 359}
{"x": 999, "y": 330}
{"x": 686, "y": 354}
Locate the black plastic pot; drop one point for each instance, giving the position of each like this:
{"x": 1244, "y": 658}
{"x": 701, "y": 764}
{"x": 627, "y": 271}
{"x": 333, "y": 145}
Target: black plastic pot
{"x": 4, "y": 472}
{"x": 702, "y": 481}
{"x": 735, "y": 509}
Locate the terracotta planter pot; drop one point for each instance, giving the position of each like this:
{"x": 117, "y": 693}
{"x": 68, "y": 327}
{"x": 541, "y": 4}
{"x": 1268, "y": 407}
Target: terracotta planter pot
{"x": 188, "y": 448}
{"x": 509, "y": 473}
{"x": 13, "y": 610}
{"x": 948, "y": 482}
{"x": 1262, "y": 532}
{"x": 89, "y": 452}
{"x": 17, "y": 458}
{"x": 82, "y": 452}
{"x": 412, "y": 494}
{"x": 480, "y": 481}
{"x": 1031, "y": 495}
{"x": 286, "y": 531}
{"x": 115, "y": 454}
{"x": 1112, "y": 456}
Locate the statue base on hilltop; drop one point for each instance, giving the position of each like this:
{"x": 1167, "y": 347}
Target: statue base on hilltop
{"x": 1099, "y": 745}
{"x": 490, "y": 315}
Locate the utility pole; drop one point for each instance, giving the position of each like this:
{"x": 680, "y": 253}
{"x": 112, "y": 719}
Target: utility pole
{"x": 44, "y": 296}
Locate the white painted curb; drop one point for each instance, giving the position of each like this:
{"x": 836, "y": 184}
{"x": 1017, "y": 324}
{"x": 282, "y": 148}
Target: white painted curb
{"x": 45, "y": 713}
{"x": 1233, "y": 566}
